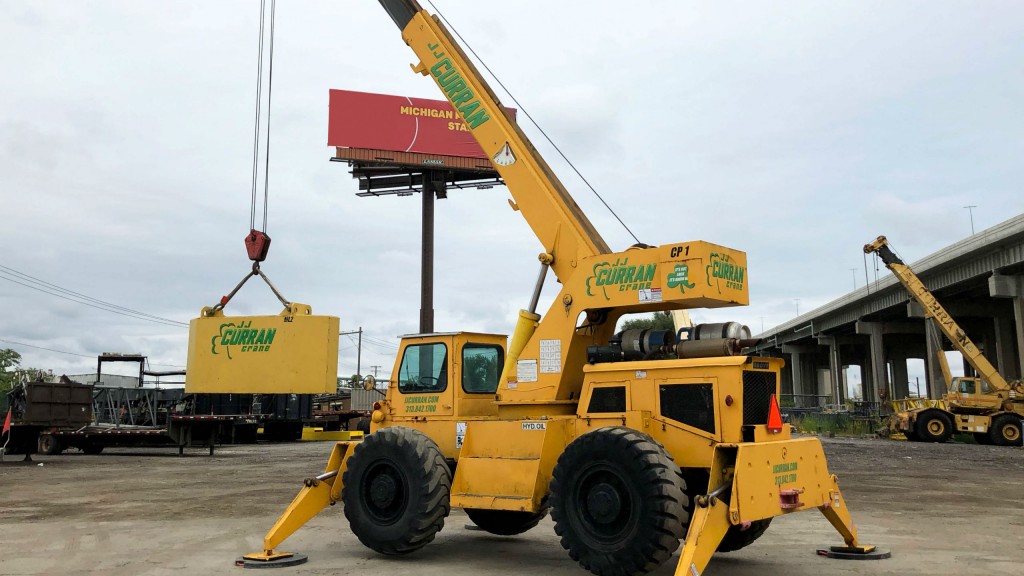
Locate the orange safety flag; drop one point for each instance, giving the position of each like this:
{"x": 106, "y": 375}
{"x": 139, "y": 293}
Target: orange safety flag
{"x": 7, "y": 423}
{"x": 774, "y": 416}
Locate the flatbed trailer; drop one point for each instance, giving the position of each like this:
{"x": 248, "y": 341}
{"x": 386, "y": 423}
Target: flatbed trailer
{"x": 336, "y": 420}
{"x": 182, "y": 431}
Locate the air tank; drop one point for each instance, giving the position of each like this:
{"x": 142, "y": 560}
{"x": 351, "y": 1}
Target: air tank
{"x": 720, "y": 330}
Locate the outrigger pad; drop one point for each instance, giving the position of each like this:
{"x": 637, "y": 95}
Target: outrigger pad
{"x": 293, "y": 560}
{"x": 847, "y": 553}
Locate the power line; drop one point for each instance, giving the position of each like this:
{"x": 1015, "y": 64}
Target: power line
{"x": 47, "y": 349}
{"x": 534, "y": 122}
{"x": 379, "y": 350}
{"x": 20, "y": 278}
{"x": 77, "y": 354}
{"x": 380, "y": 341}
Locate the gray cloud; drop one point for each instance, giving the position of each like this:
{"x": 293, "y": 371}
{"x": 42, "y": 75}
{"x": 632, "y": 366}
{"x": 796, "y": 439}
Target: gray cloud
{"x": 794, "y": 131}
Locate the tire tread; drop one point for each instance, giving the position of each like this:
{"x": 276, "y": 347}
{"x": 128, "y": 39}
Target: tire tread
{"x": 431, "y": 488}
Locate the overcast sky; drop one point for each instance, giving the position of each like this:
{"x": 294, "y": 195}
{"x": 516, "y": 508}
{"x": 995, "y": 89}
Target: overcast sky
{"x": 796, "y": 131}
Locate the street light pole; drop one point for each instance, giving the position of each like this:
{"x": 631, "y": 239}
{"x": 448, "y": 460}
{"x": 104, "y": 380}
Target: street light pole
{"x": 797, "y": 300}
{"x": 854, "y": 272}
{"x": 970, "y": 210}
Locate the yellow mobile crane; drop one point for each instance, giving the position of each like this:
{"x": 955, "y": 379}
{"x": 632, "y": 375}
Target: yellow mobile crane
{"x": 986, "y": 406}
{"x": 631, "y": 441}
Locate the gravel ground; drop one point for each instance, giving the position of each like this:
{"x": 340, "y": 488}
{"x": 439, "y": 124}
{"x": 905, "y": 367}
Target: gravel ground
{"x": 940, "y": 509}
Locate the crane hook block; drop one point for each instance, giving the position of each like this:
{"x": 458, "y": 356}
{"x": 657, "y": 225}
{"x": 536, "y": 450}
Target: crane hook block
{"x": 257, "y": 244}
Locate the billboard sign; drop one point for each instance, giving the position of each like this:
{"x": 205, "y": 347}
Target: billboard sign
{"x": 399, "y": 124}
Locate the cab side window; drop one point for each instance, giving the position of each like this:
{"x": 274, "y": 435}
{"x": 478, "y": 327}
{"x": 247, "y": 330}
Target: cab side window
{"x": 481, "y": 368}
{"x": 424, "y": 368}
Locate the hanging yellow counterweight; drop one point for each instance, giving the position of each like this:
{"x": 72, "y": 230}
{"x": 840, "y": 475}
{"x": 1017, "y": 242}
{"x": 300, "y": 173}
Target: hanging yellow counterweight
{"x": 294, "y": 352}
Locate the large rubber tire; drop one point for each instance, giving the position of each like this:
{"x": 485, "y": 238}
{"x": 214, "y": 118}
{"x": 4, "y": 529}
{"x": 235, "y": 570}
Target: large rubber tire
{"x": 618, "y": 502}
{"x": 933, "y": 426}
{"x": 50, "y": 445}
{"x": 364, "y": 426}
{"x": 504, "y": 522}
{"x": 1005, "y": 430}
{"x": 396, "y": 489}
{"x": 737, "y": 537}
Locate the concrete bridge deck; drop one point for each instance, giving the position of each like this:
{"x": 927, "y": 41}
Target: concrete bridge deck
{"x": 979, "y": 280}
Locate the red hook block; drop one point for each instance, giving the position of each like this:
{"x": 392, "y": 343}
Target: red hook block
{"x": 257, "y": 244}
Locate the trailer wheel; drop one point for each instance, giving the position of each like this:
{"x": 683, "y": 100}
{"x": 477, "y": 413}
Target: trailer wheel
{"x": 933, "y": 426}
{"x": 395, "y": 490}
{"x": 92, "y": 449}
{"x": 50, "y": 445}
{"x": 505, "y": 522}
{"x": 364, "y": 426}
{"x": 1005, "y": 430}
{"x": 618, "y": 502}
{"x": 737, "y": 537}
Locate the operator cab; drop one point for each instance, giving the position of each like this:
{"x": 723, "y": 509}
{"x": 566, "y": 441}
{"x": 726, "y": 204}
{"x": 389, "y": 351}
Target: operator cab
{"x": 446, "y": 374}
{"x": 966, "y": 386}
{"x": 972, "y": 393}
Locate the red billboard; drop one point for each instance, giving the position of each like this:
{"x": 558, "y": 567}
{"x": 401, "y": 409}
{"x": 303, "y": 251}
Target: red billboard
{"x": 399, "y": 124}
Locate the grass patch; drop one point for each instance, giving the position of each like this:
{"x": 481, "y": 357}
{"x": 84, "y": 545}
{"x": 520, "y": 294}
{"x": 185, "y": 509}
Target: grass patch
{"x": 838, "y": 424}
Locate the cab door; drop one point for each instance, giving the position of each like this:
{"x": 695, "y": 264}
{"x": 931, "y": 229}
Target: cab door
{"x": 479, "y": 364}
{"x": 424, "y": 379}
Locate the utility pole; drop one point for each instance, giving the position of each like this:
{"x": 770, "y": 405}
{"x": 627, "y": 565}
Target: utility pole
{"x": 854, "y": 272}
{"x": 359, "y": 347}
{"x": 375, "y": 367}
{"x": 970, "y": 210}
{"x": 797, "y": 300}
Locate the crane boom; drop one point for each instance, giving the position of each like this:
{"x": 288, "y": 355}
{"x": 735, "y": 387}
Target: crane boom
{"x": 598, "y": 284}
{"x": 936, "y": 312}
{"x": 562, "y": 228}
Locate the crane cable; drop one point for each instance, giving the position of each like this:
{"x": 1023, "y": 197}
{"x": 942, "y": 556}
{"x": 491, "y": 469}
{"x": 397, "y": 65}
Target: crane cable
{"x": 258, "y": 118}
{"x": 532, "y": 121}
{"x": 257, "y": 243}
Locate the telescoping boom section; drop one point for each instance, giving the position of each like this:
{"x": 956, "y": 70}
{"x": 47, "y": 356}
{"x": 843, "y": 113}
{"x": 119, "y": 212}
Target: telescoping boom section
{"x": 934, "y": 310}
{"x": 597, "y": 284}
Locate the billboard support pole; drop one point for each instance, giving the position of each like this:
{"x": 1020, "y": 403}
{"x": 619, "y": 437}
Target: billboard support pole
{"x": 427, "y": 257}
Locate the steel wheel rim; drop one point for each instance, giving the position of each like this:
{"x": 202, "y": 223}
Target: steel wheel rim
{"x": 385, "y": 492}
{"x": 606, "y": 507}
{"x": 936, "y": 426}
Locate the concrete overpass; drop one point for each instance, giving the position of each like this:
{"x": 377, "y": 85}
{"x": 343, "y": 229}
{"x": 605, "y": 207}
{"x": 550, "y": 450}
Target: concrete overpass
{"x": 979, "y": 280}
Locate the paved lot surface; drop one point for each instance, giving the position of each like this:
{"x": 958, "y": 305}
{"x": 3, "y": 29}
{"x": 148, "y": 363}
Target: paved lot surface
{"x": 941, "y": 509}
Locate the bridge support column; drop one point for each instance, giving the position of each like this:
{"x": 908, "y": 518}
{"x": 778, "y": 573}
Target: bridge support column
{"x": 876, "y": 379}
{"x": 796, "y": 362}
{"x": 804, "y": 379}
{"x": 835, "y": 369}
{"x": 1002, "y": 286}
{"x": 937, "y": 385}
{"x": 900, "y": 380}
{"x": 1006, "y": 360}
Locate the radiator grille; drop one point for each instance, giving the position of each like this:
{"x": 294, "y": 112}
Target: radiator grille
{"x": 691, "y": 404}
{"x": 608, "y": 400}
{"x": 757, "y": 390}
